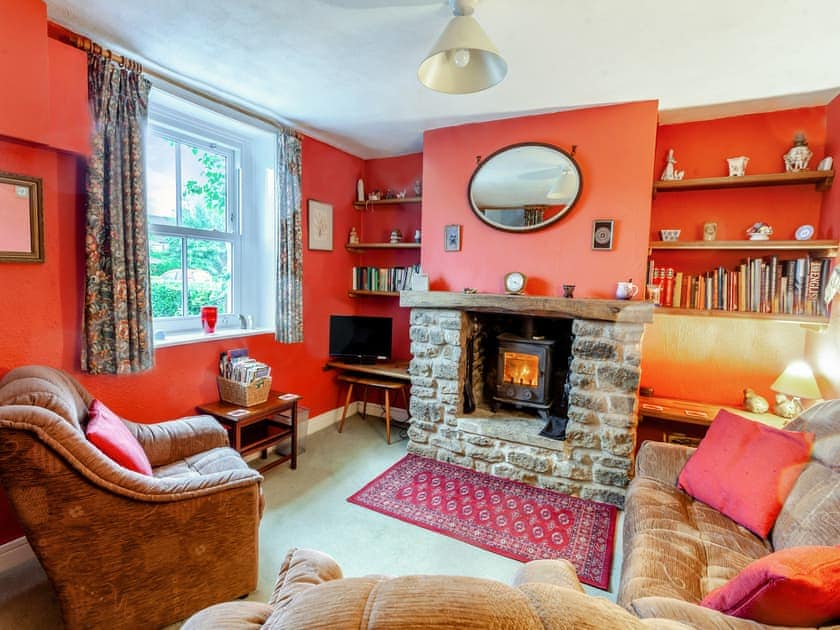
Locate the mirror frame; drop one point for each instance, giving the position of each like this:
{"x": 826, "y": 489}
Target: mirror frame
{"x": 36, "y": 218}
{"x": 529, "y": 228}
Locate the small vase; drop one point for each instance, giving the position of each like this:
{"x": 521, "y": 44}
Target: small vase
{"x": 209, "y": 315}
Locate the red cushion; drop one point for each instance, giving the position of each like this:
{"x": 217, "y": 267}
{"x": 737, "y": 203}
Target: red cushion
{"x": 746, "y": 469}
{"x": 799, "y": 586}
{"x": 107, "y": 431}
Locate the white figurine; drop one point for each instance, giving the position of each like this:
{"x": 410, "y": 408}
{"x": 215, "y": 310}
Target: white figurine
{"x": 755, "y": 403}
{"x": 354, "y": 236}
{"x": 796, "y": 159}
{"x": 669, "y": 174}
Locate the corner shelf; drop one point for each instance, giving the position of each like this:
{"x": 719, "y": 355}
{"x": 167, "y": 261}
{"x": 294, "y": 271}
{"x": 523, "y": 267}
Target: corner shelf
{"x": 827, "y": 248}
{"x": 386, "y": 202}
{"x": 361, "y": 247}
{"x": 821, "y": 179}
{"x": 373, "y": 293}
{"x": 776, "y": 317}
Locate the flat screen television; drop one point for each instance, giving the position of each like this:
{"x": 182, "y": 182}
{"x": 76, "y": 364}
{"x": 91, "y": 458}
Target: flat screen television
{"x": 359, "y": 338}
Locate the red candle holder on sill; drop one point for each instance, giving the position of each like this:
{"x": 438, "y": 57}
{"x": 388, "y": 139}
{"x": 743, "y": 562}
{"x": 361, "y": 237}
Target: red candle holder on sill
{"x": 209, "y": 315}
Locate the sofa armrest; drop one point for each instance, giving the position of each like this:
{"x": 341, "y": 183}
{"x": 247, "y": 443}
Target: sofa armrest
{"x": 558, "y": 572}
{"x": 662, "y": 461}
{"x": 166, "y": 442}
{"x": 301, "y": 570}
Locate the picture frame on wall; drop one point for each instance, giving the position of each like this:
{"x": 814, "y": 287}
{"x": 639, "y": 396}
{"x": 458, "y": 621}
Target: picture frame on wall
{"x": 602, "y": 233}
{"x": 21, "y": 218}
{"x": 452, "y": 238}
{"x": 320, "y": 226}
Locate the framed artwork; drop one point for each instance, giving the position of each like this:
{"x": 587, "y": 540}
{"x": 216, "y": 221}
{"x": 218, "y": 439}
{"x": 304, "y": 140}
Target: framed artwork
{"x": 602, "y": 233}
{"x": 320, "y": 225}
{"x": 21, "y": 218}
{"x": 452, "y": 238}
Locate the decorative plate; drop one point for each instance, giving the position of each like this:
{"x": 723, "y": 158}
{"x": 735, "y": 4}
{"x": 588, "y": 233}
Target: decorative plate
{"x": 804, "y": 232}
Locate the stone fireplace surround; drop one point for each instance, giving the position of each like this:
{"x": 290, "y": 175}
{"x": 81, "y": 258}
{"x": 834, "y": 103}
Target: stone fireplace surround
{"x": 595, "y": 460}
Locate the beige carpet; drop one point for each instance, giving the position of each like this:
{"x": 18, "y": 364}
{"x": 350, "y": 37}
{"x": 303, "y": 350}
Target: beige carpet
{"x": 308, "y": 508}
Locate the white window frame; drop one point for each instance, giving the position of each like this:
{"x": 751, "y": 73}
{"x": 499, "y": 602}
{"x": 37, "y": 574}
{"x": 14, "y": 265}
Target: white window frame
{"x": 250, "y": 164}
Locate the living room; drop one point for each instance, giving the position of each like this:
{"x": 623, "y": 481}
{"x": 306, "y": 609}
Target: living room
{"x": 620, "y": 147}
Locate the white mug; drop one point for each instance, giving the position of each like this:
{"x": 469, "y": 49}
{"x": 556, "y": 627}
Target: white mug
{"x": 625, "y": 290}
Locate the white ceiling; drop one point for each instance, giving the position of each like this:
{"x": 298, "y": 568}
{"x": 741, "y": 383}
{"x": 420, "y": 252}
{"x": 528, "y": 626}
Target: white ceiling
{"x": 345, "y": 71}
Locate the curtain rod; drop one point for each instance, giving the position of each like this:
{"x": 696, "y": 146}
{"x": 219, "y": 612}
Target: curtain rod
{"x": 62, "y": 34}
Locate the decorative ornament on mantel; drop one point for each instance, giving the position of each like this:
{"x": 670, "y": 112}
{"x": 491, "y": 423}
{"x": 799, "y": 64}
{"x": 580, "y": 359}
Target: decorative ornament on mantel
{"x": 797, "y": 157}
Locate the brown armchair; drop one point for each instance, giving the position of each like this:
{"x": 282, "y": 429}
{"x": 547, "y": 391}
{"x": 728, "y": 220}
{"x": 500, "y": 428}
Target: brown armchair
{"x": 120, "y": 548}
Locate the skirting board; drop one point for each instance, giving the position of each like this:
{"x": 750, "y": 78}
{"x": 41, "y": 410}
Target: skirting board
{"x": 14, "y": 553}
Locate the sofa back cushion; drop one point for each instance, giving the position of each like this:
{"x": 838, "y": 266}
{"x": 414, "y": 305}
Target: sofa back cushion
{"x": 809, "y": 515}
{"x": 823, "y": 420}
{"x": 46, "y": 387}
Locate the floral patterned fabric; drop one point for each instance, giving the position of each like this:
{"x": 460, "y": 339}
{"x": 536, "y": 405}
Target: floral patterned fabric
{"x": 117, "y": 314}
{"x": 289, "y": 315}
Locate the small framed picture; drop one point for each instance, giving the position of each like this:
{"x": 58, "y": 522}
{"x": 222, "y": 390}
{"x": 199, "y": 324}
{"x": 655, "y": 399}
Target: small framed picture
{"x": 602, "y": 233}
{"x": 320, "y": 225}
{"x": 452, "y": 238}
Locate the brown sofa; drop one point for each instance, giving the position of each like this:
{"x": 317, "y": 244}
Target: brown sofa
{"x": 311, "y": 593}
{"x": 122, "y": 549}
{"x": 677, "y": 550}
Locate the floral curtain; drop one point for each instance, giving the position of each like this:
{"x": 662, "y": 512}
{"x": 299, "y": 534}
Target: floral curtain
{"x": 117, "y": 314}
{"x": 289, "y": 315}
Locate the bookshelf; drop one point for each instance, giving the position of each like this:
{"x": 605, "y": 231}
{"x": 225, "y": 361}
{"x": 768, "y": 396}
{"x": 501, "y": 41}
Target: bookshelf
{"x": 826, "y": 248}
{"x": 363, "y": 247}
{"x": 359, "y": 293}
{"x": 361, "y": 205}
{"x": 822, "y": 181}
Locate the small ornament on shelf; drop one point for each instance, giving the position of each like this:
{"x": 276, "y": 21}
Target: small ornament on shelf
{"x": 755, "y": 403}
{"x": 360, "y": 190}
{"x": 354, "y": 237}
{"x": 670, "y": 173}
{"x": 737, "y": 165}
{"x": 396, "y": 236}
{"x": 417, "y": 236}
{"x": 797, "y": 157}
{"x": 374, "y": 195}
{"x": 760, "y": 231}
{"x": 418, "y": 187}
{"x": 826, "y": 163}
{"x": 401, "y": 194}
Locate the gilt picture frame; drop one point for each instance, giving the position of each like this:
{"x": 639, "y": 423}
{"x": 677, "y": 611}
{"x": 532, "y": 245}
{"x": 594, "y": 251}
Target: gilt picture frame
{"x": 602, "y": 233}
{"x": 320, "y": 226}
{"x": 21, "y": 218}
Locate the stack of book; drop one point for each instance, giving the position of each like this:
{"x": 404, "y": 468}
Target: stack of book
{"x": 383, "y": 278}
{"x": 235, "y": 365}
{"x": 757, "y": 285}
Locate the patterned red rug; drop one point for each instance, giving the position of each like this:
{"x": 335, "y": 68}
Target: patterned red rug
{"x": 506, "y": 517}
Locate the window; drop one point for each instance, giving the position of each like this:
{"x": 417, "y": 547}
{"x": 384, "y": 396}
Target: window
{"x": 209, "y": 209}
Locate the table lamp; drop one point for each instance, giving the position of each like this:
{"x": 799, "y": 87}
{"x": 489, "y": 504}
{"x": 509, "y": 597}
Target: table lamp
{"x": 796, "y": 381}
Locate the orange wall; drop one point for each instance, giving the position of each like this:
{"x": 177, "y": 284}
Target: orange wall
{"x": 375, "y": 224}
{"x": 615, "y": 153}
{"x": 719, "y": 357}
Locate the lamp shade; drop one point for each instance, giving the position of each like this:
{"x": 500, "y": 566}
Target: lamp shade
{"x": 463, "y": 60}
{"x": 797, "y": 380}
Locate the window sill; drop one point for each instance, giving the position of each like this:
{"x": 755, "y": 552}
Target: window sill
{"x": 181, "y": 339}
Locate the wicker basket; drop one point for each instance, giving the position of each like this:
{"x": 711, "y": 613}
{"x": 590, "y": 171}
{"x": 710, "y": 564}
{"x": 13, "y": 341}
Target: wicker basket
{"x": 244, "y": 395}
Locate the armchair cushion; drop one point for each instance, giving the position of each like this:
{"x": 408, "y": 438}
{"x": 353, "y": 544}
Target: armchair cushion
{"x": 173, "y": 440}
{"x": 746, "y": 469}
{"x": 107, "y": 432}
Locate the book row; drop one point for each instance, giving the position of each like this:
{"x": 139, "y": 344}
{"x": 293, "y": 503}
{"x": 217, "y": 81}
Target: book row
{"x": 756, "y": 285}
{"x": 383, "y": 278}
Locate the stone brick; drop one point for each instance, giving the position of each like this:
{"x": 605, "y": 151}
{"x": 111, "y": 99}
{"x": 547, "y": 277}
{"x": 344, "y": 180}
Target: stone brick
{"x": 450, "y": 420}
{"x": 583, "y": 457}
{"x": 529, "y": 461}
{"x": 484, "y": 454}
{"x": 452, "y": 337}
{"x": 582, "y": 381}
{"x": 570, "y": 470}
{"x": 422, "y": 381}
{"x": 431, "y": 427}
{"x": 449, "y": 434}
{"x": 423, "y": 410}
{"x": 587, "y": 400}
{"x": 452, "y": 458}
{"x": 623, "y": 463}
{"x": 589, "y": 328}
{"x": 416, "y": 434}
{"x": 423, "y": 450}
{"x": 632, "y": 356}
{"x": 479, "y": 440}
{"x": 619, "y": 420}
{"x": 617, "y": 441}
{"x": 418, "y": 333}
{"x": 559, "y": 485}
{"x": 450, "y": 445}
{"x": 448, "y": 387}
{"x": 445, "y": 369}
{"x": 582, "y": 416}
{"x": 610, "y": 476}
{"x": 422, "y": 392}
{"x": 604, "y": 495}
{"x": 593, "y": 348}
{"x": 451, "y": 323}
{"x": 420, "y": 368}
{"x": 420, "y": 317}
{"x": 451, "y": 401}
{"x": 622, "y": 378}
{"x": 622, "y": 403}
{"x": 436, "y": 337}
{"x": 480, "y": 466}
{"x": 584, "y": 367}
{"x": 453, "y": 353}
{"x": 583, "y": 438}
{"x": 510, "y": 472}
{"x": 631, "y": 333}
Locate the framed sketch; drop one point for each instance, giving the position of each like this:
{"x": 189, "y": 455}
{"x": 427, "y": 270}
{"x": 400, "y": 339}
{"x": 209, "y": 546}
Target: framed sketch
{"x": 21, "y": 218}
{"x": 452, "y": 238}
{"x": 602, "y": 233}
{"x": 320, "y": 225}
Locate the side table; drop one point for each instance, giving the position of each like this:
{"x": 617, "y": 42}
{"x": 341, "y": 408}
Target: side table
{"x": 259, "y": 427}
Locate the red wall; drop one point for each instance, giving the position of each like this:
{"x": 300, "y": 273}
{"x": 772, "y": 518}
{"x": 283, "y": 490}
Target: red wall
{"x": 615, "y": 153}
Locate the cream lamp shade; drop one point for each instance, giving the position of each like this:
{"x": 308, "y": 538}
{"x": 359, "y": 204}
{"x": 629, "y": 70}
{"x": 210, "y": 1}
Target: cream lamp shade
{"x": 797, "y": 380}
{"x": 463, "y": 60}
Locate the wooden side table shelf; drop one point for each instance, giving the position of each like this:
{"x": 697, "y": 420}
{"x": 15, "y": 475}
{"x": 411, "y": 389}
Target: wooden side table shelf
{"x": 260, "y": 426}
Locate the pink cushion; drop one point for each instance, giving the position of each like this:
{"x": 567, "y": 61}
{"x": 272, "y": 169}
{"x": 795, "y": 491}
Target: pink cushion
{"x": 799, "y": 586}
{"x": 746, "y": 469}
{"x": 107, "y": 432}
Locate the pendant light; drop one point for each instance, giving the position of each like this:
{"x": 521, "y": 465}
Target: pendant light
{"x": 463, "y": 60}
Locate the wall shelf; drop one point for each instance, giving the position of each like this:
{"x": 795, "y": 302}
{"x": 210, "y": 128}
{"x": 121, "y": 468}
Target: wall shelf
{"x": 776, "y": 317}
{"x": 826, "y": 248}
{"x": 373, "y": 293}
{"x": 821, "y": 179}
{"x": 361, "y": 247}
{"x": 386, "y": 202}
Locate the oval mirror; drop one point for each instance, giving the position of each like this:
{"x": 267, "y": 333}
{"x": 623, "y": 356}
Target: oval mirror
{"x": 524, "y": 187}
